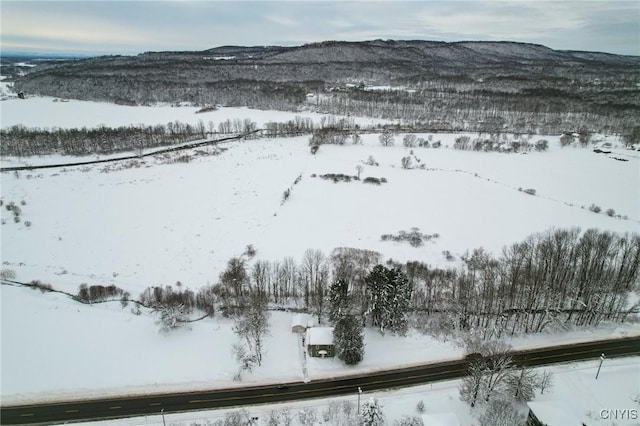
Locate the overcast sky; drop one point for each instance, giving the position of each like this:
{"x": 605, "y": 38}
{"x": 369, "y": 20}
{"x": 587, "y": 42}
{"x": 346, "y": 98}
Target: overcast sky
{"x": 131, "y": 27}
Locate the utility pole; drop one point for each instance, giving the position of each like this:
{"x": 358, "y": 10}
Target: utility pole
{"x": 602, "y": 357}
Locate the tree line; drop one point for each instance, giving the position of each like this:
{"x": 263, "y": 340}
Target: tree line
{"x": 21, "y": 141}
{"x": 553, "y": 279}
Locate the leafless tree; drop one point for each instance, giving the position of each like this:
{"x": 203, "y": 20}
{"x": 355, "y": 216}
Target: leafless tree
{"x": 253, "y": 325}
{"x": 501, "y": 412}
{"x": 386, "y": 138}
{"x": 315, "y": 275}
{"x": 546, "y": 381}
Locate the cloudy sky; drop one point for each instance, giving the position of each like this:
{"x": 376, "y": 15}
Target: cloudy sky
{"x": 131, "y": 27}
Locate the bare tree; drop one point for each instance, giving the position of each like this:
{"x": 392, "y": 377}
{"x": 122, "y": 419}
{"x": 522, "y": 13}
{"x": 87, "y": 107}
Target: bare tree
{"x": 498, "y": 367}
{"x": 386, "y": 138}
{"x": 245, "y": 358}
{"x": 490, "y": 371}
{"x": 501, "y": 412}
{"x": 235, "y": 279}
{"x": 523, "y": 384}
{"x": 308, "y": 416}
{"x": 253, "y": 325}
{"x": 172, "y": 315}
{"x": 472, "y": 387}
{"x": 315, "y": 275}
{"x": 546, "y": 381}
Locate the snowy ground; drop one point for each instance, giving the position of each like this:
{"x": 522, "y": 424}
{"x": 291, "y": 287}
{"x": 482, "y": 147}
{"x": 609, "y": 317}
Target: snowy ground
{"x": 153, "y": 224}
{"x": 156, "y": 222}
{"x": 66, "y": 350}
{"x": 47, "y": 112}
{"x": 72, "y": 354}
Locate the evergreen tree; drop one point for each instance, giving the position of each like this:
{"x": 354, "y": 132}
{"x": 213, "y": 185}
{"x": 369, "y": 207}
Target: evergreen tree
{"x": 348, "y": 340}
{"x": 339, "y": 302}
{"x": 371, "y": 413}
{"x": 389, "y": 297}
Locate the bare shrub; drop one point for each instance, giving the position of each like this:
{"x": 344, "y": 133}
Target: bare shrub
{"x": 386, "y": 139}
{"x": 413, "y": 237}
{"x": 250, "y": 251}
{"x": 447, "y": 254}
{"x": 337, "y": 177}
{"x": 409, "y": 421}
{"x": 307, "y": 416}
{"x": 371, "y": 161}
{"x": 406, "y": 162}
{"x": 409, "y": 140}
{"x": 594, "y": 208}
{"x": 374, "y": 180}
{"x": 43, "y": 287}
{"x": 8, "y": 274}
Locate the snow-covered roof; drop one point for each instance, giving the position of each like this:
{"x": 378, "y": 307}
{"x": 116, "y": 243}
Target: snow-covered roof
{"x": 554, "y": 413}
{"x": 300, "y": 320}
{"x": 320, "y": 336}
{"x": 441, "y": 419}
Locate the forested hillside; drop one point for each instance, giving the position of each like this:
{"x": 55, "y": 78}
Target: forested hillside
{"x": 473, "y": 86}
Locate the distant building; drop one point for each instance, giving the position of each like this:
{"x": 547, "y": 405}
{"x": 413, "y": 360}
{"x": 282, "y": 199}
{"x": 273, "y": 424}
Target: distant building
{"x": 319, "y": 341}
{"x": 299, "y": 323}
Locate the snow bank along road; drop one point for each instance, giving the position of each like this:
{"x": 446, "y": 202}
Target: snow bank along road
{"x": 152, "y": 404}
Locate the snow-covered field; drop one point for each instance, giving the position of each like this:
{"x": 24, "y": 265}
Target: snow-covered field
{"x": 47, "y": 112}
{"x": 157, "y": 222}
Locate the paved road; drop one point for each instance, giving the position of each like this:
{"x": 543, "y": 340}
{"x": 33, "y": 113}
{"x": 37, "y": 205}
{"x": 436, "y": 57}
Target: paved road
{"x": 137, "y": 406}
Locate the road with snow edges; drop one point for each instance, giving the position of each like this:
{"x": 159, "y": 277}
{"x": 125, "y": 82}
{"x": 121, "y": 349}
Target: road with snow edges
{"x": 112, "y": 408}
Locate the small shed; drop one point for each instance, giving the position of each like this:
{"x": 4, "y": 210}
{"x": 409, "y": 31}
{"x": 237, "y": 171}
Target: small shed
{"x": 319, "y": 341}
{"x": 299, "y": 323}
{"x": 441, "y": 419}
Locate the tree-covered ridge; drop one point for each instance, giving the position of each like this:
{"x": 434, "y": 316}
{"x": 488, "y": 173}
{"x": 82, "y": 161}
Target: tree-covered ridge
{"x": 442, "y": 86}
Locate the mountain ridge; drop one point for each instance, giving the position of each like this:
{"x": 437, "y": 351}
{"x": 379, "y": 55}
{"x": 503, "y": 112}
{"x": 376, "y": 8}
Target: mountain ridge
{"x": 510, "y": 77}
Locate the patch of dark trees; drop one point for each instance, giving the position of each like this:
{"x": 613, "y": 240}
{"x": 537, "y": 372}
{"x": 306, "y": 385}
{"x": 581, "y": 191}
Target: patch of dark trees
{"x": 22, "y": 141}
{"x": 499, "y": 143}
{"x": 413, "y": 237}
{"x": 341, "y": 177}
